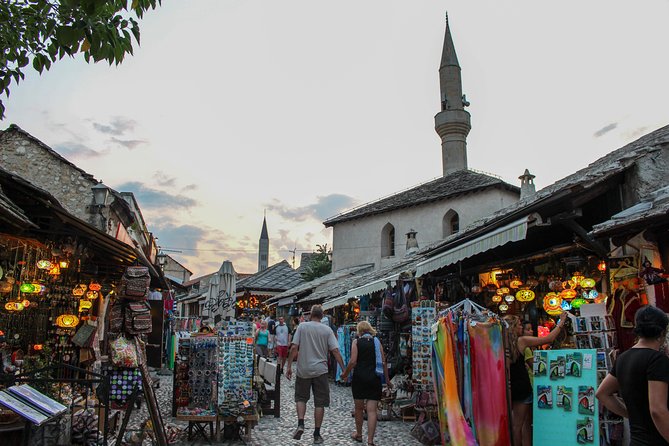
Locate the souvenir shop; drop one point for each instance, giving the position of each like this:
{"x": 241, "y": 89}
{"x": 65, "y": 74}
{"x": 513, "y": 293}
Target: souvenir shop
{"x": 214, "y": 382}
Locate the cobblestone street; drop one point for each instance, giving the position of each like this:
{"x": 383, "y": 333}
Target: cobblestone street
{"x": 336, "y": 430}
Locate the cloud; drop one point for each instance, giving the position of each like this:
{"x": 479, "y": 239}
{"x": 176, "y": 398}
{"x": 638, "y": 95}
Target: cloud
{"x": 636, "y": 133}
{"x": 118, "y": 126}
{"x": 321, "y": 210}
{"x": 153, "y": 199}
{"x": 189, "y": 187}
{"x": 185, "y": 237}
{"x": 129, "y": 144}
{"x": 606, "y": 129}
{"x": 76, "y": 150}
{"x": 164, "y": 180}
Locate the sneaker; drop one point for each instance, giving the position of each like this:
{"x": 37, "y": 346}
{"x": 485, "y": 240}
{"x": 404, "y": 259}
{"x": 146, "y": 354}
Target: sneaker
{"x": 298, "y": 433}
{"x": 318, "y": 439}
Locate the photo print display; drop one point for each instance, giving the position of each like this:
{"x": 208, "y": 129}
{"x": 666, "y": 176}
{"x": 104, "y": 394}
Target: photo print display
{"x": 585, "y": 431}
{"x": 545, "y": 397}
{"x": 540, "y": 365}
{"x": 586, "y": 400}
{"x": 564, "y": 398}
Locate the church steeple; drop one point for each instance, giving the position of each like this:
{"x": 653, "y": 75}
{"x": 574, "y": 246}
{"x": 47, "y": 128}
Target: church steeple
{"x": 452, "y": 123}
{"x": 263, "y": 246}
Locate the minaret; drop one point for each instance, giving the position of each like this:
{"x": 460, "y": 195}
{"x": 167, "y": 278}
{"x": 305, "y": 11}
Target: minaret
{"x": 263, "y": 246}
{"x": 452, "y": 123}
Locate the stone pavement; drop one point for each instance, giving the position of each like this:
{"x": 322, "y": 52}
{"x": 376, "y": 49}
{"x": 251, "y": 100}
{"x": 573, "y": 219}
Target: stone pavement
{"x": 336, "y": 429}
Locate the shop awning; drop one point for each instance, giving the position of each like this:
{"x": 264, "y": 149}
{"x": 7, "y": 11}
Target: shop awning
{"x": 512, "y": 232}
{"x": 340, "y": 300}
{"x": 377, "y": 285}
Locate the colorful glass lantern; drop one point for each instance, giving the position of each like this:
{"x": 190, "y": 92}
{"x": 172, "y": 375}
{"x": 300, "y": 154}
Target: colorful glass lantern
{"x": 44, "y": 264}
{"x": 27, "y": 288}
{"x": 566, "y": 284}
{"x": 555, "y": 285}
{"x": 509, "y": 298}
{"x": 531, "y": 283}
{"x": 525, "y": 295}
{"x": 503, "y": 307}
{"x": 577, "y": 277}
{"x": 568, "y": 294}
{"x": 503, "y": 290}
{"x": 566, "y": 306}
{"x": 588, "y": 283}
{"x": 94, "y": 286}
{"x": 79, "y": 290}
{"x": 84, "y": 305}
{"x": 516, "y": 283}
{"x": 590, "y": 295}
{"x": 578, "y": 303}
{"x": 601, "y": 298}
{"x": 26, "y": 303}
{"x": 476, "y": 289}
{"x": 553, "y": 304}
{"x": 14, "y": 306}
{"x": 91, "y": 295}
{"x": 64, "y": 264}
{"x": 497, "y": 298}
{"x": 38, "y": 347}
{"x": 601, "y": 266}
{"x": 54, "y": 270}
{"x": 67, "y": 321}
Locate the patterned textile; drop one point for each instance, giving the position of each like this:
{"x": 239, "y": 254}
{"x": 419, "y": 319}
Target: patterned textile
{"x": 122, "y": 382}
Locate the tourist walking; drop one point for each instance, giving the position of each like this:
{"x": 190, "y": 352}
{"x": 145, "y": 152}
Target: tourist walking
{"x": 271, "y": 327}
{"x": 368, "y": 362}
{"x": 521, "y": 389}
{"x": 262, "y": 339}
{"x": 282, "y": 342}
{"x": 313, "y": 341}
{"x": 640, "y": 376}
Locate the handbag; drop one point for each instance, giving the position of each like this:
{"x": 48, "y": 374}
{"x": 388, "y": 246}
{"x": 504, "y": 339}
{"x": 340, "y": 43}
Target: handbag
{"x": 388, "y": 303}
{"x": 135, "y": 283}
{"x": 116, "y": 316}
{"x": 400, "y": 309}
{"x": 138, "y": 318}
{"x": 427, "y": 432}
{"x": 123, "y": 353}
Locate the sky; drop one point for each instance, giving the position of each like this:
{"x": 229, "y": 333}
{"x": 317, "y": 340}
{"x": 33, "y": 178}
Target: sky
{"x": 302, "y": 109}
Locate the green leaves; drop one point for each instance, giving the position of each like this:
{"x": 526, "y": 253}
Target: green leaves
{"x": 48, "y": 30}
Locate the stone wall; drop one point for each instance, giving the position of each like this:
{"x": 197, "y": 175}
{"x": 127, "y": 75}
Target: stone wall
{"x": 26, "y": 156}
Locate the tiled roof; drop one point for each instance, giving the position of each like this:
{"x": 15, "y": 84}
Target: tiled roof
{"x": 323, "y": 281}
{"x": 451, "y": 185}
{"x": 197, "y": 279}
{"x": 655, "y": 207}
{"x": 594, "y": 174}
{"x": 278, "y": 277}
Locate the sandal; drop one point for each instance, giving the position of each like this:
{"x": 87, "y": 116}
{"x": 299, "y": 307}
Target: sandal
{"x": 356, "y": 437}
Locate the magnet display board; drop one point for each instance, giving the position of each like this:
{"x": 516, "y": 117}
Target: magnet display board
{"x": 564, "y": 403}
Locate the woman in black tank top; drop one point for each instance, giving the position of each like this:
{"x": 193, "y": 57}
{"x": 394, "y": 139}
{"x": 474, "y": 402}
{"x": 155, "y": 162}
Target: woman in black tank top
{"x": 365, "y": 383}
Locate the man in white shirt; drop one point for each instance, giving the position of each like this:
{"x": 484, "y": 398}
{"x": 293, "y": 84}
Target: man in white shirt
{"x": 281, "y": 342}
{"x": 313, "y": 340}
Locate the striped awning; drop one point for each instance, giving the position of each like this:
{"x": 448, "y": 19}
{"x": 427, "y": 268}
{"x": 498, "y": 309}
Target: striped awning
{"x": 512, "y": 232}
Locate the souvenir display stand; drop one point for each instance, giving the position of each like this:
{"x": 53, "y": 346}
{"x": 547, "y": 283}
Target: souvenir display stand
{"x": 468, "y": 363}
{"x": 564, "y": 403}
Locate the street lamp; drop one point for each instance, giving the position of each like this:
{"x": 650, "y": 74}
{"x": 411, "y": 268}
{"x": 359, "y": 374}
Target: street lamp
{"x": 100, "y": 194}
{"x": 162, "y": 259}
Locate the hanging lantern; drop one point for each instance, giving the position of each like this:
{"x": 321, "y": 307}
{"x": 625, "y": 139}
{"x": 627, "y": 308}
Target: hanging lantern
{"x": 601, "y": 298}
{"x": 64, "y": 264}
{"x": 555, "y": 285}
{"x": 503, "y": 307}
{"x": 568, "y": 294}
{"x": 94, "y": 286}
{"x": 567, "y": 284}
{"x": 516, "y": 283}
{"x": 601, "y": 266}
{"x": 576, "y": 278}
{"x": 91, "y": 295}
{"x": 14, "y": 306}
{"x": 38, "y": 347}
{"x": 54, "y": 270}
{"x": 5, "y": 287}
{"x": 38, "y": 288}
{"x": 578, "y": 302}
{"x": 67, "y": 321}
{"x": 26, "y": 303}
{"x": 502, "y": 291}
{"x": 566, "y": 306}
{"x": 588, "y": 283}
{"x": 552, "y": 304}
{"x": 497, "y": 298}
{"x": 476, "y": 289}
{"x": 27, "y": 288}
{"x": 44, "y": 264}
{"x": 525, "y": 295}
{"x": 84, "y": 305}
{"x": 590, "y": 295}
{"x": 509, "y": 298}
{"x": 79, "y": 290}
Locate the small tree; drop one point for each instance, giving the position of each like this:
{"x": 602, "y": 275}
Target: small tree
{"x": 44, "y": 31}
{"x": 319, "y": 264}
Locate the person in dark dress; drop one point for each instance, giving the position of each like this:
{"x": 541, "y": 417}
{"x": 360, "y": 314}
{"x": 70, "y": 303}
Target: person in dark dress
{"x": 521, "y": 389}
{"x": 366, "y": 383}
{"x": 640, "y": 376}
